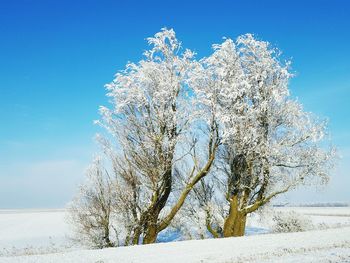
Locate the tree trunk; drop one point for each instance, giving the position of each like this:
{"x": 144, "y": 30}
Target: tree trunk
{"x": 230, "y": 219}
{"x": 239, "y": 225}
{"x": 151, "y": 227}
{"x": 235, "y": 227}
{"x": 107, "y": 241}
{"x": 136, "y": 237}
{"x": 235, "y": 222}
{"x": 151, "y": 235}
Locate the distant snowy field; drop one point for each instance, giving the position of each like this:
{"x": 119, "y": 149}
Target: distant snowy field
{"x": 24, "y": 234}
{"x": 33, "y": 231}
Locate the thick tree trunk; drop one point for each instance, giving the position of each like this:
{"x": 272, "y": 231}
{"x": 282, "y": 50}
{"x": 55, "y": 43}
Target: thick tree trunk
{"x": 230, "y": 219}
{"x": 235, "y": 222}
{"x": 150, "y": 219}
{"x": 150, "y": 235}
{"x": 239, "y": 225}
{"x": 151, "y": 227}
{"x": 235, "y": 227}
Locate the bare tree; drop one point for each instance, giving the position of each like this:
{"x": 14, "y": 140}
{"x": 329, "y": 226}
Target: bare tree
{"x": 91, "y": 210}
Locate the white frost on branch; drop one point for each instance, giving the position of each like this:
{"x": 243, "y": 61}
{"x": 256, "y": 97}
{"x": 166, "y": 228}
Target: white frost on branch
{"x": 222, "y": 131}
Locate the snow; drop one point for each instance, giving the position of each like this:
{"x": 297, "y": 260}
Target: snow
{"x": 34, "y": 230}
{"x": 329, "y": 217}
{"x": 328, "y": 211}
{"x": 324, "y": 244}
{"x": 23, "y": 229}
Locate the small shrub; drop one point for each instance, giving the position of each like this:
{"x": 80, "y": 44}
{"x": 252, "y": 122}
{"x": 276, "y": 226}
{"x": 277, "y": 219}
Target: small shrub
{"x": 291, "y": 221}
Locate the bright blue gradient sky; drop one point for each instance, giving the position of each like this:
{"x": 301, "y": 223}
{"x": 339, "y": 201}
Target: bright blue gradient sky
{"x": 55, "y": 57}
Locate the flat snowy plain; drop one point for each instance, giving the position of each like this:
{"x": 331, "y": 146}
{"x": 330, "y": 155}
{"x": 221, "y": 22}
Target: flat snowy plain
{"x": 25, "y": 234}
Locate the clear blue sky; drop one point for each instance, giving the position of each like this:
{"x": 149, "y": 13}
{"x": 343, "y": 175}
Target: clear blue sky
{"x": 55, "y": 57}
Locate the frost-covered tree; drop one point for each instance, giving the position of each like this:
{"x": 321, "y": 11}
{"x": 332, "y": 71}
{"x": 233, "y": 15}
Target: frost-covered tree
{"x": 270, "y": 144}
{"x": 152, "y": 118}
{"x": 91, "y": 211}
{"x": 173, "y": 119}
{"x": 290, "y": 221}
{"x": 127, "y": 194}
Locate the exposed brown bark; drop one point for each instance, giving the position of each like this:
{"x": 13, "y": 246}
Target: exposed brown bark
{"x": 231, "y": 218}
{"x": 201, "y": 174}
{"x": 235, "y": 222}
{"x": 260, "y": 202}
{"x": 235, "y": 227}
{"x": 239, "y": 225}
{"x": 151, "y": 235}
{"x": 136, "y": 237}
{"x": 150, "y": 221}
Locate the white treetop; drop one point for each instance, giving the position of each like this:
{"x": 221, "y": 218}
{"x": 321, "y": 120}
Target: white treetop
{"x": 173, "y": 118}
{"x": 269, "y": 143}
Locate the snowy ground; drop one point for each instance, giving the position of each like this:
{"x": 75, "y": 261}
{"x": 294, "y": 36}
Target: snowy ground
{"x": 38, "y": 232}
{"x": 33, "y": 231}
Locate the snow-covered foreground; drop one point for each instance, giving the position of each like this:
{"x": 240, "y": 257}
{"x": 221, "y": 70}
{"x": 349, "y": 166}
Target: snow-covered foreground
{"x": 332, "y": 245}
{"x": 38, "y": 232}
{"x": 33, "y": 231}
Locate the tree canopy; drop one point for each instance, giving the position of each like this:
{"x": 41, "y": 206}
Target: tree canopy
{"x": 220, "y": 136}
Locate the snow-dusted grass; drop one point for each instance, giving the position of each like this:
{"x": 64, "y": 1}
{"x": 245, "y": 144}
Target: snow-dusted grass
{"x": 323, "y": 217}
{"x": 318, "y": 246}
{"x": 40, "y": 232}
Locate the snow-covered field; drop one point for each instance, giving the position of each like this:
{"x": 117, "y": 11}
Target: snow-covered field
{"x": 37, "y": 232}
{"x": 33, "y": 231}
